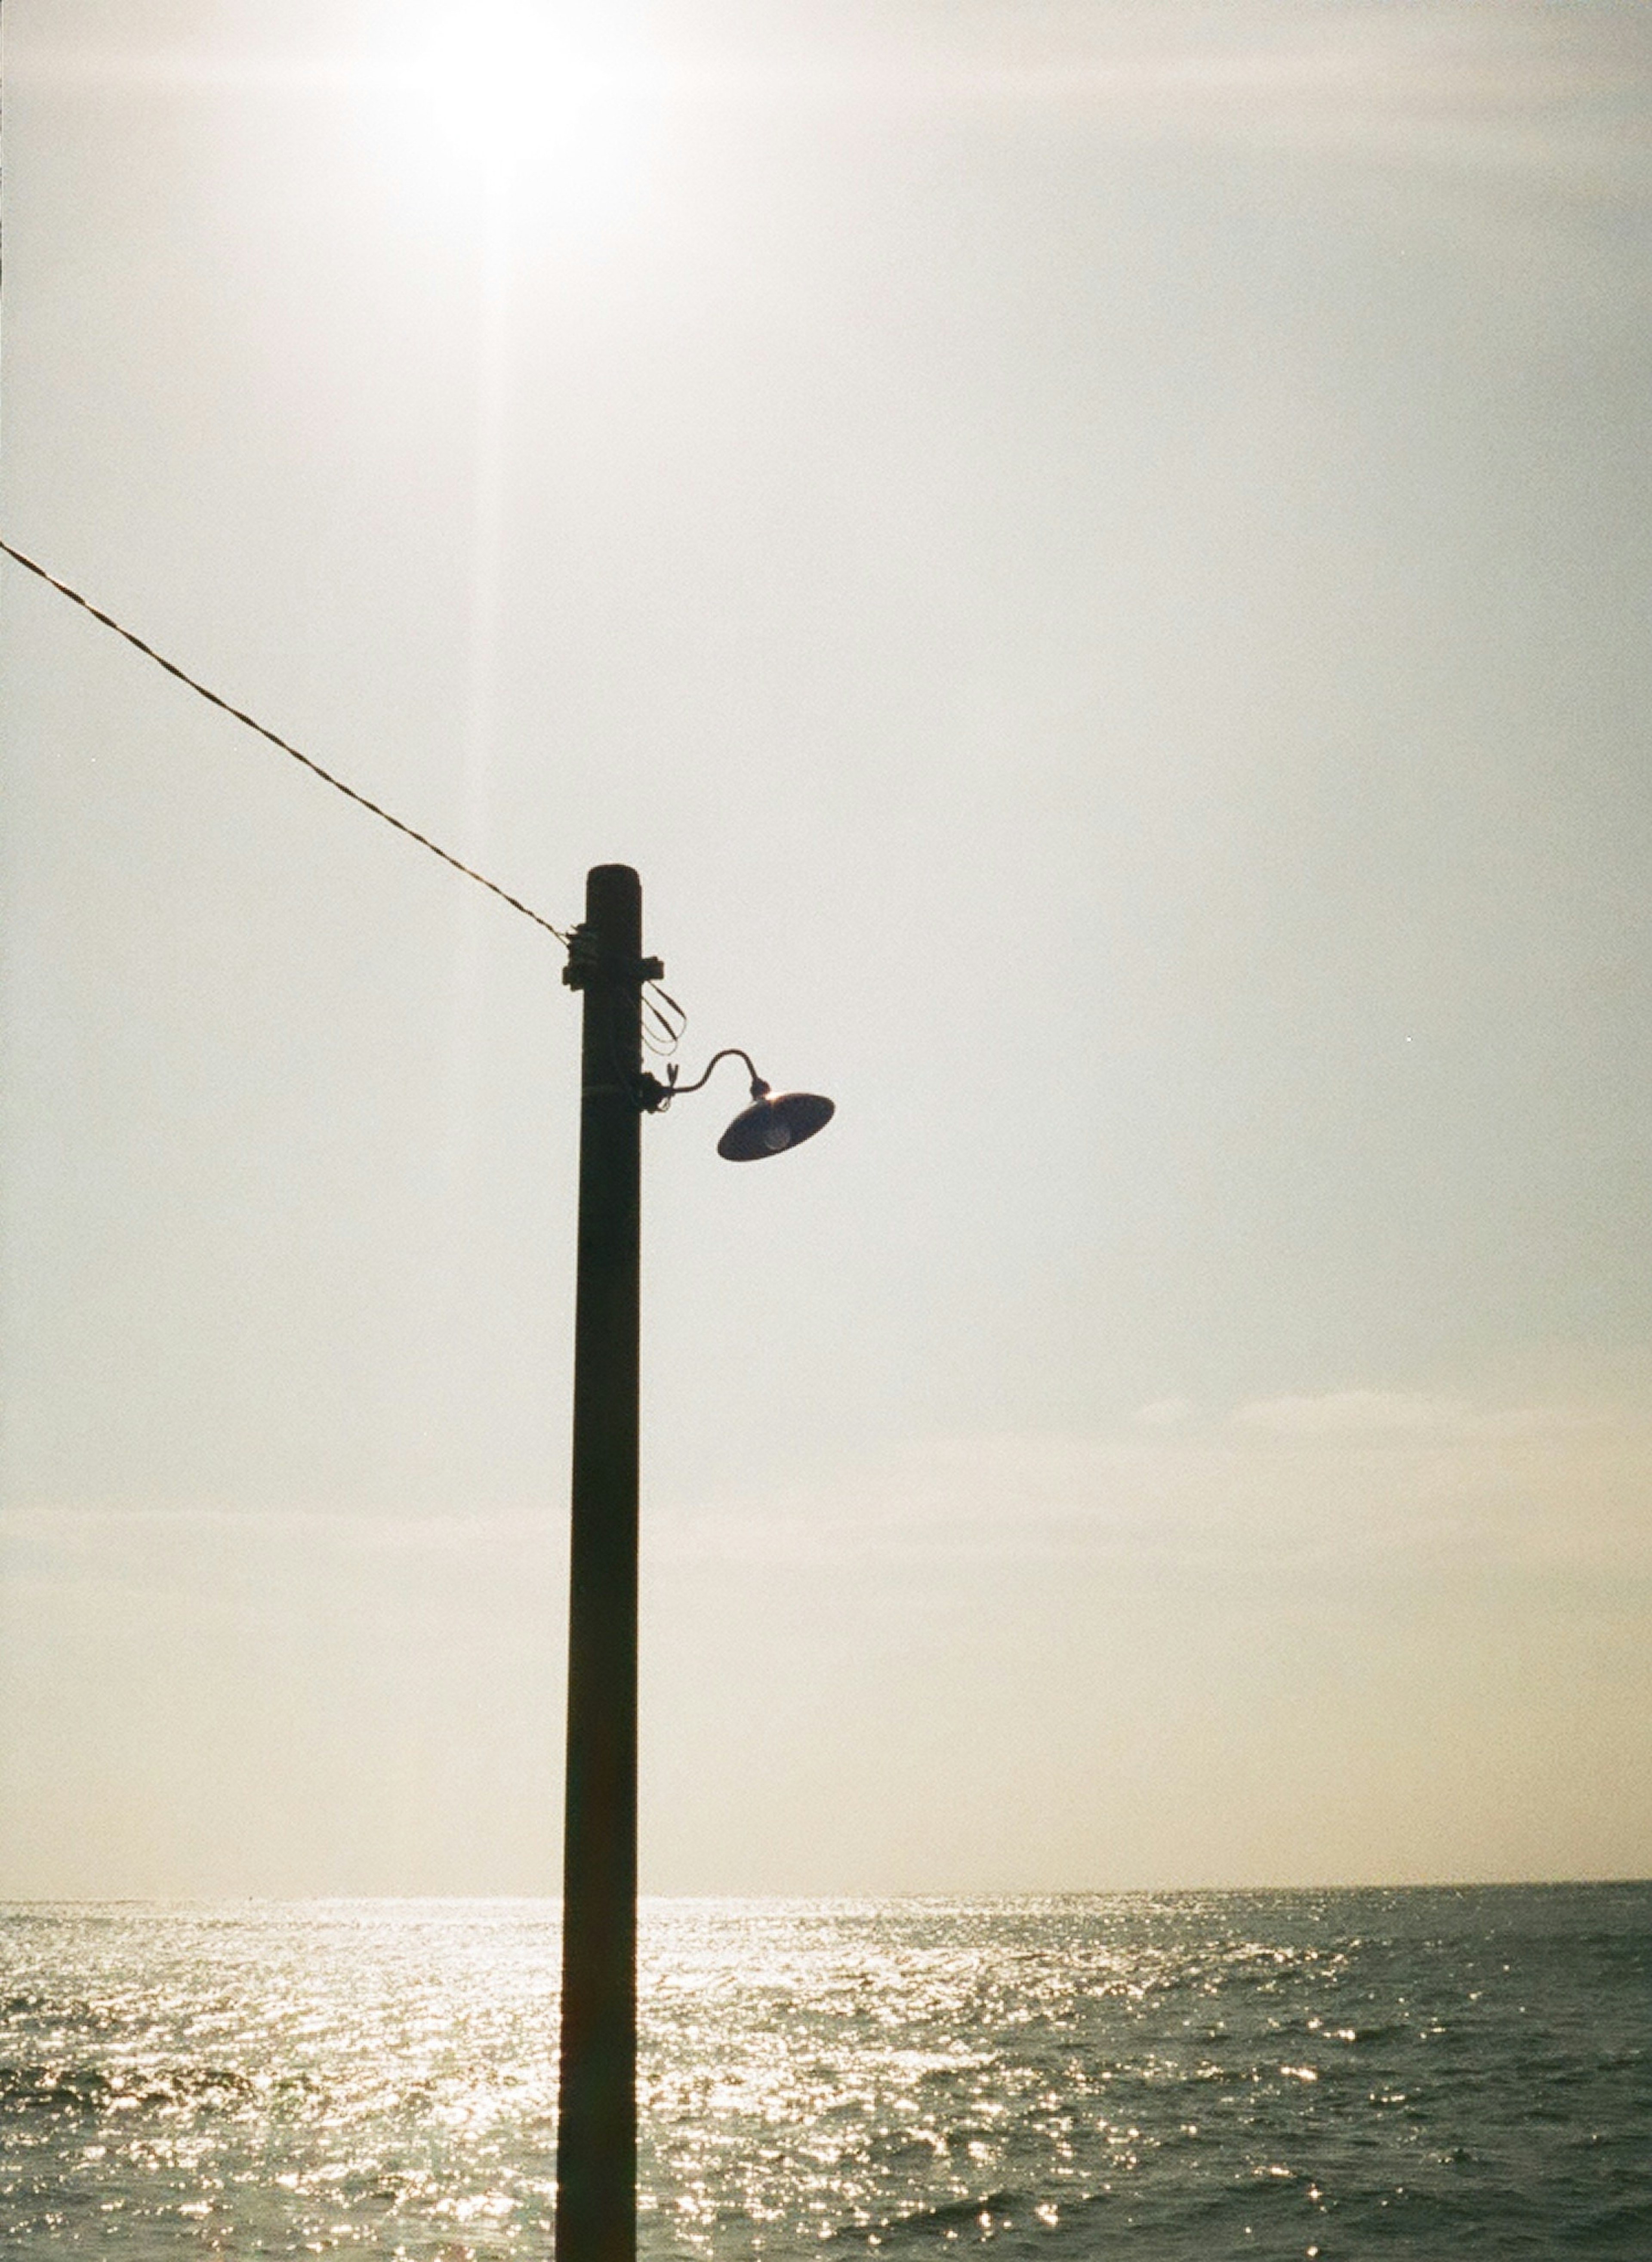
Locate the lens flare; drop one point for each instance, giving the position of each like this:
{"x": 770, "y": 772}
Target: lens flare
{"x": 574, "y": 94}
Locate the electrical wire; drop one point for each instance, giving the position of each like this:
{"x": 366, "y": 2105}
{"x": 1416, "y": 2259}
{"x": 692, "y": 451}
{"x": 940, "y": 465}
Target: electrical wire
{"x": 663, "y": 1022}
{"x": 238, "y": 714}
{"x": 664, "y": 1030}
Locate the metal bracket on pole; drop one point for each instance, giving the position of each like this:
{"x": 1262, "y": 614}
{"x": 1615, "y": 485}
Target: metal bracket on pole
{"x": 588, "y": 963}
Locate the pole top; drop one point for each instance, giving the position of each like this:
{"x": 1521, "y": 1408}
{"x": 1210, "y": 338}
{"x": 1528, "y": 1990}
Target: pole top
{"x": 606, "y": 947}
{"x": 613, "y": 883}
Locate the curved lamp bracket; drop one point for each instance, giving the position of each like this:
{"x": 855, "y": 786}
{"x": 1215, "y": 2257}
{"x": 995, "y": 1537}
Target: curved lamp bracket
{"x": 773, "y": 1122}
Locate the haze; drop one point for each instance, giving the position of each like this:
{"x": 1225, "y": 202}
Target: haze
{"x": 1096, "y": 559}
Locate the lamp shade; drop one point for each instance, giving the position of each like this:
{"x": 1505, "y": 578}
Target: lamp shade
{"x": 772, "y": 1124}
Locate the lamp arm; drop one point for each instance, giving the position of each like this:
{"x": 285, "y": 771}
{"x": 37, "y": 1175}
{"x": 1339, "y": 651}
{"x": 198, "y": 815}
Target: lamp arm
{"x": 759, "y": 1090}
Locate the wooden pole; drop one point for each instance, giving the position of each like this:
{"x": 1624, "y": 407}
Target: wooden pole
{"x": 596, "y": 2135}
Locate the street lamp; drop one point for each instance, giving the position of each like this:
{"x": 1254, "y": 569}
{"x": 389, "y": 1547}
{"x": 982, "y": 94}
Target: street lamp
{"x": 768, "y": 1127}
{"x": 596, "y": 2129}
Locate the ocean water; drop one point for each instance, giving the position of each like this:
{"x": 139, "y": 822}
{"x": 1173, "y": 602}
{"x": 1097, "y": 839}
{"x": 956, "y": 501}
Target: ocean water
{"x": 1419, "y": 2073}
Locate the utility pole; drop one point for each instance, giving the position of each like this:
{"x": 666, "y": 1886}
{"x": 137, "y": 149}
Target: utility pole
{"x": 596, "y": 2128}
{"x": 596, "y": 2133}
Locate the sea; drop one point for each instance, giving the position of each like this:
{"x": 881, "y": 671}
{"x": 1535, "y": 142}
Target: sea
{"x": 1424, "y": 2073}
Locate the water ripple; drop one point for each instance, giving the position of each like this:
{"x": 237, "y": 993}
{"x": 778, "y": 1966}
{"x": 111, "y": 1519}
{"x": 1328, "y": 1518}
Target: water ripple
{"x": 1181, "y": 2075}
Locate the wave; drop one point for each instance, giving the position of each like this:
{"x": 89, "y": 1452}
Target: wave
{"x": 44, "y": 2087}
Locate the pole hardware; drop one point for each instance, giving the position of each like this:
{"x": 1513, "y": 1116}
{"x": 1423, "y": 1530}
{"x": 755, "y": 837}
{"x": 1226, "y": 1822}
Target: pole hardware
{"x": 589, "y": 961}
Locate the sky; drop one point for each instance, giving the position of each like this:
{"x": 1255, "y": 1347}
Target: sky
{"x": 1096, "y": 559}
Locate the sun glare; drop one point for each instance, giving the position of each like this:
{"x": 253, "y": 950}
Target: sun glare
{"x": 573, "y": 94}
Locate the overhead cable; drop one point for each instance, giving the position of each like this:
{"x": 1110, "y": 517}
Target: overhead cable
{"x": 238, "y": 715}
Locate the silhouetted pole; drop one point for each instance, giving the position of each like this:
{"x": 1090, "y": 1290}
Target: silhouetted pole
{"x": 596, "y": 2135}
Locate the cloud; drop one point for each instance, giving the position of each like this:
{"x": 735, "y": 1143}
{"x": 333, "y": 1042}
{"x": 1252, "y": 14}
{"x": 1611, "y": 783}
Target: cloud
{"x": 1332, "y": 1483}
{"x": 1342, "y": 1413}
{"x": 1163, "y": 1413}
{"x": 262, "y": 1553}
{"x": 1464, "y": 85}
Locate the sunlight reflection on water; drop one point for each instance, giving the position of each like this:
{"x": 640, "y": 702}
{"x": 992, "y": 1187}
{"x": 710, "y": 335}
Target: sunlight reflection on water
{"x": 1281, "y": 2072}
